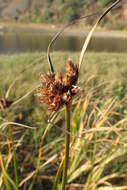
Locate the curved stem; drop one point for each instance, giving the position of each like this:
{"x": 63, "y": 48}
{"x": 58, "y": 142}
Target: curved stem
{"x": 58, "y": 175}
{"x": 58, "y": 34}
{"x": 67, "y": 143}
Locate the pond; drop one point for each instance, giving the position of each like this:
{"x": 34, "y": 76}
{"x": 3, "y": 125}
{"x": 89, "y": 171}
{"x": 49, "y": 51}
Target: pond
{"x": 16, "y": 42}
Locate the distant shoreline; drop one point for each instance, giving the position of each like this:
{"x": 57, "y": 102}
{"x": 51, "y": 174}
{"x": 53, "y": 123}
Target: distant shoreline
{"x": 53, "y": 29}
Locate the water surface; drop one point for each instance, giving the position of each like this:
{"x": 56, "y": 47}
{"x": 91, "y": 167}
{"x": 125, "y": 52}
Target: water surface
{"x": 15, "y": 42}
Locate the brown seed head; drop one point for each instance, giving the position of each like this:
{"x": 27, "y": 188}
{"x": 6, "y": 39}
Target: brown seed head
{"x": 56, "y": 89}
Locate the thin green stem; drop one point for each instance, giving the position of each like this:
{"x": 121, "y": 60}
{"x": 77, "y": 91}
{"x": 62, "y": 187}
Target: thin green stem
{"x": 15, "y": 167}
{"x": 67, "y": 144}
{"x": 14, "y": 157}
{"x": 58, "y": 175}
{"x": 4, "y": 173}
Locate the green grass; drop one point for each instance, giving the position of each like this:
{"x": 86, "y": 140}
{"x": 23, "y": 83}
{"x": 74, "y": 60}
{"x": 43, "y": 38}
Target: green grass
{"x": 98, "y": 123}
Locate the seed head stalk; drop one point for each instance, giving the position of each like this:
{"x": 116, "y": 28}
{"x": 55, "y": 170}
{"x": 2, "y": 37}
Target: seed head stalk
{"x": 67, "y": 144}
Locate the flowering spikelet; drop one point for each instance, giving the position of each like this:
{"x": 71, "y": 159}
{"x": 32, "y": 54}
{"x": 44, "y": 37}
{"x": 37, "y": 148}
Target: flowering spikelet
{"x": 57, "y": 89}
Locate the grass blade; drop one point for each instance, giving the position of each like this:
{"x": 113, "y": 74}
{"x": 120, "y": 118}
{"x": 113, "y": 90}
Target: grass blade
{"x": 92, "y": 30}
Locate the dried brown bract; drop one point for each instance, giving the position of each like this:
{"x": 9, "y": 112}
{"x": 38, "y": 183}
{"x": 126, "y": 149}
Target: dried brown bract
{"x": 57, "y": 89}
{"x": 4, "y": 103}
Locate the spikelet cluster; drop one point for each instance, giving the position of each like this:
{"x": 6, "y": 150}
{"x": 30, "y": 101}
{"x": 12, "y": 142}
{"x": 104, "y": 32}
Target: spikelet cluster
{"x": 57, "y": 89}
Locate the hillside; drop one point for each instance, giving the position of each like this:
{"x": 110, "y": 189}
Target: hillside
{"x": 60, "y": 11}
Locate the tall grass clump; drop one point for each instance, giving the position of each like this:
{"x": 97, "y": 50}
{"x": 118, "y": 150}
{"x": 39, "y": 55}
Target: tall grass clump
{"x": 58, "y": 90}
{"x": 88, "y": 153}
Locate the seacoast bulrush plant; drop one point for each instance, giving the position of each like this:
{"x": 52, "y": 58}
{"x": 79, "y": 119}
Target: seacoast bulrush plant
{"x": 57, "y": 90}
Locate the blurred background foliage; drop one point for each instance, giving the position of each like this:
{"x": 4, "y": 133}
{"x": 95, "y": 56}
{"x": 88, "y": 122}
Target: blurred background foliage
{"x": 62, "y": 11}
